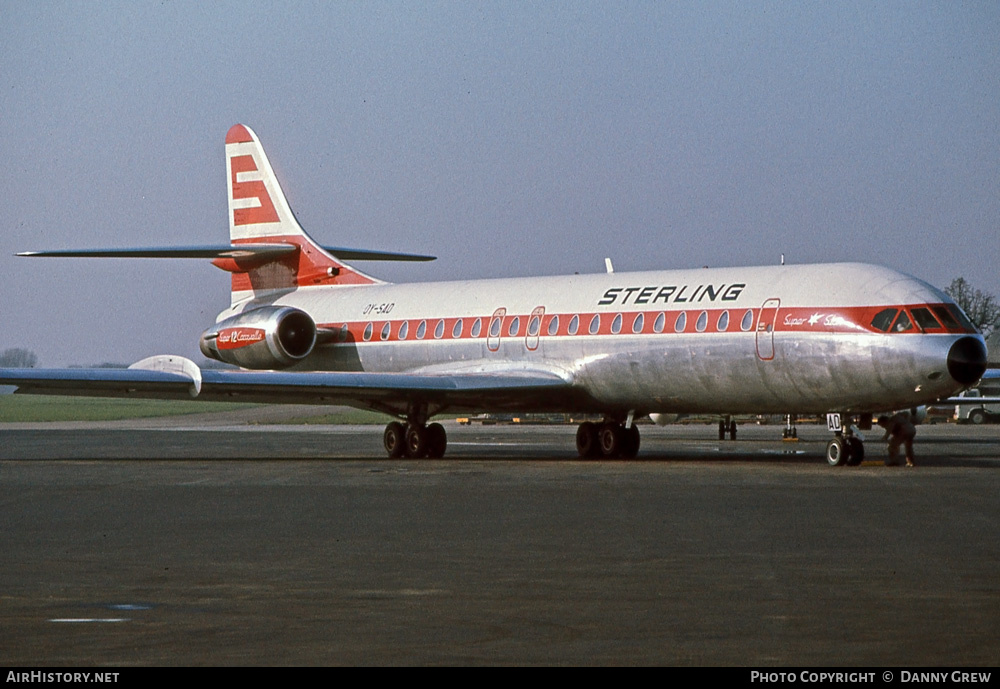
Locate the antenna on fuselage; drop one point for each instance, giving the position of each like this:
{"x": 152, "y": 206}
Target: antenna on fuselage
{"x": 782, "y": 259}
{"x": 607, "y": 264}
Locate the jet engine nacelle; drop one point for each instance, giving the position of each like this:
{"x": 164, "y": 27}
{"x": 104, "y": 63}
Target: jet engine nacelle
{"x": 267, "y": 338}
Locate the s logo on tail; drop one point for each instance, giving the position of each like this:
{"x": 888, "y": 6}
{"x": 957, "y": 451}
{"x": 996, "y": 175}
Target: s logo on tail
{"x": 247, "y": 188}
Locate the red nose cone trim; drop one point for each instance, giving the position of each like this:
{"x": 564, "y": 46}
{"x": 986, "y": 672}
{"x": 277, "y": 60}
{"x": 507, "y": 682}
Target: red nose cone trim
{"x": 234, "y": 338}
{"x": 238, "y": 134}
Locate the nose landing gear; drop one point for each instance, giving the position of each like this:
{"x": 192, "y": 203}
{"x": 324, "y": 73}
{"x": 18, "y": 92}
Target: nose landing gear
{"x": 846, "y": 448}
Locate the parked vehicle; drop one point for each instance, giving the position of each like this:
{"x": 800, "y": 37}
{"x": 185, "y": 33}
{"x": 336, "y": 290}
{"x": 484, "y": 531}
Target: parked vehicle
{"x": 986, "y": 412}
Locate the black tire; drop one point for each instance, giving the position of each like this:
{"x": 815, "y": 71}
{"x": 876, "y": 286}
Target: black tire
{"x": 586, "y": 440}
{"x": 437, "y": 441}
{"x": 836, "y": 453}
{"x": 611, "y": 438}
{"x": 394, "y": 440}
{"x": 722, "y": 429}
{"x": 856, "y": 453}
{"x": 732, "y": 430}
{"x": 416, "y": 441}
{"x": 630, "y": 444}
{"x": 977, "y": 417}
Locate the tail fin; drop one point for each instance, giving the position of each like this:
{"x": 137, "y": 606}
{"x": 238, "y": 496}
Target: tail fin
{"x": 259, "y": 214}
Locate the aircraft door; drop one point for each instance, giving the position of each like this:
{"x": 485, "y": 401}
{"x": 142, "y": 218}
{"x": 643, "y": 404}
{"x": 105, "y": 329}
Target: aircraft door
{"x": 496, "y": 330}
{"x": 534, "y": 327}
{"x": 765, "y": 329}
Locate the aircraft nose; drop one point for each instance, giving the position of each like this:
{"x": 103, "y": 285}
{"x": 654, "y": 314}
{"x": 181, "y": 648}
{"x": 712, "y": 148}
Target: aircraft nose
{"x": 967, "y": 360}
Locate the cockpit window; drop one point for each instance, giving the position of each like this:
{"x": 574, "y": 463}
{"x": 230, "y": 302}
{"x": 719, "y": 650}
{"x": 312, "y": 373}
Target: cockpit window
{"x": 945, "y": 315}
{"x": 962, "y": 318}
{"x": 902, "y": 324}
{"x": 924, "y": 319}
{"x": 883, "y": 319}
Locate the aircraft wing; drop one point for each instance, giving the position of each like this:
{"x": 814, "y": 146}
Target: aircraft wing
{"x": 392, "y": 393}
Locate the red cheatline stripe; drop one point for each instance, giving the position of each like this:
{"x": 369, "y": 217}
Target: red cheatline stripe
{"x": 798, "y": 320}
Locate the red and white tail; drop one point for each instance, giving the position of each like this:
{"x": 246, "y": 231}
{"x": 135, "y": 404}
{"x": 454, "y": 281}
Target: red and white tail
{"x": 259, "y": 214}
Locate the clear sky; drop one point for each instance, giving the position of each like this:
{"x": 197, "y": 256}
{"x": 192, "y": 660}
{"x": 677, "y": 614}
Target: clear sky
{"x": 511, "y": 138}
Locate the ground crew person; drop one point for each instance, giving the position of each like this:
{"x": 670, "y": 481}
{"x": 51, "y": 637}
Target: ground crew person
{"x": 899, "y": 430}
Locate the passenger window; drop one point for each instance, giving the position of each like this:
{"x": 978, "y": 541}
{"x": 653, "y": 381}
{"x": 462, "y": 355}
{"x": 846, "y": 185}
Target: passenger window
{"x": 439, "y": 330}
{"x": 637, "y": 324}
{"x": 616, "y": 324}
{"x": 534, "y": 325}
{"x": 702, "y": 322}
{"x": 723, "y": 323}
{"x": 595, "y": 324}
{"x": 660, "y": 321}
{"x": 421, "y": 330}
{"x": 495, "y": 327}
{"x": 457, "y": 330}
{"x": 554, "y": 325}
{"x": 902, "y": 323}
{"x": 385, "y": 330}
{"x": 404, "y": 329}
{"x": 924, "y": 319}
{"x": 747, "y": 323}
{"x": 477, "y": 327}
{"x": 883, "y": 319}
{"x": 515, "y": 325}
{"x": 344, "y": 331}
{"x": 369, "y": 329}
{"x": 574, "y": 325}
{"x": 681, "y": 322}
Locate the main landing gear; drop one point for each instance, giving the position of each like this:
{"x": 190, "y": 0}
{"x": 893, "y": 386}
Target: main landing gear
{"x": 727, "y": 425}
{"x": 609, "y": 439}
{"x": 790, "y": 432}
{"x": 415, "y": 440}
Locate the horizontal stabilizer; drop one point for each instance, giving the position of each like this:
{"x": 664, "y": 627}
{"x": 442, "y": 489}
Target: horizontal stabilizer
{"x": 261, "y": 252}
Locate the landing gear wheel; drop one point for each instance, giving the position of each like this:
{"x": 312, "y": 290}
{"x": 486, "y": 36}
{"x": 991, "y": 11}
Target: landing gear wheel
{"x": 394, "y": 440}
{"x": 630, "y": 442}
{"x": 856, "y": 451}
{"x": 586, "y": 440}
{"x": 836, "y": 454}
{"x": 732, "y": 430}
{"x": 416, "y": 441}
{"x": 977, "y": 416}
{"x": 722, "y": 429}
{"x": 611, "y": 439}
{"x": 437, "y": 441}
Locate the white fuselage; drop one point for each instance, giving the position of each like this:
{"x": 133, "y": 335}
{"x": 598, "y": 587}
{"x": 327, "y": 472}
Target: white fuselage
{"x": 771, "y": 339}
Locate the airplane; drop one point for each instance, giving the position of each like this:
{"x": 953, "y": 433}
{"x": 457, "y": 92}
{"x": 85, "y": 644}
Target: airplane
{"x": 305, "y": 326}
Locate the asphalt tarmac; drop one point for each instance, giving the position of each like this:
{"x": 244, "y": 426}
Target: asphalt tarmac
{"x": 181, "y": 542}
